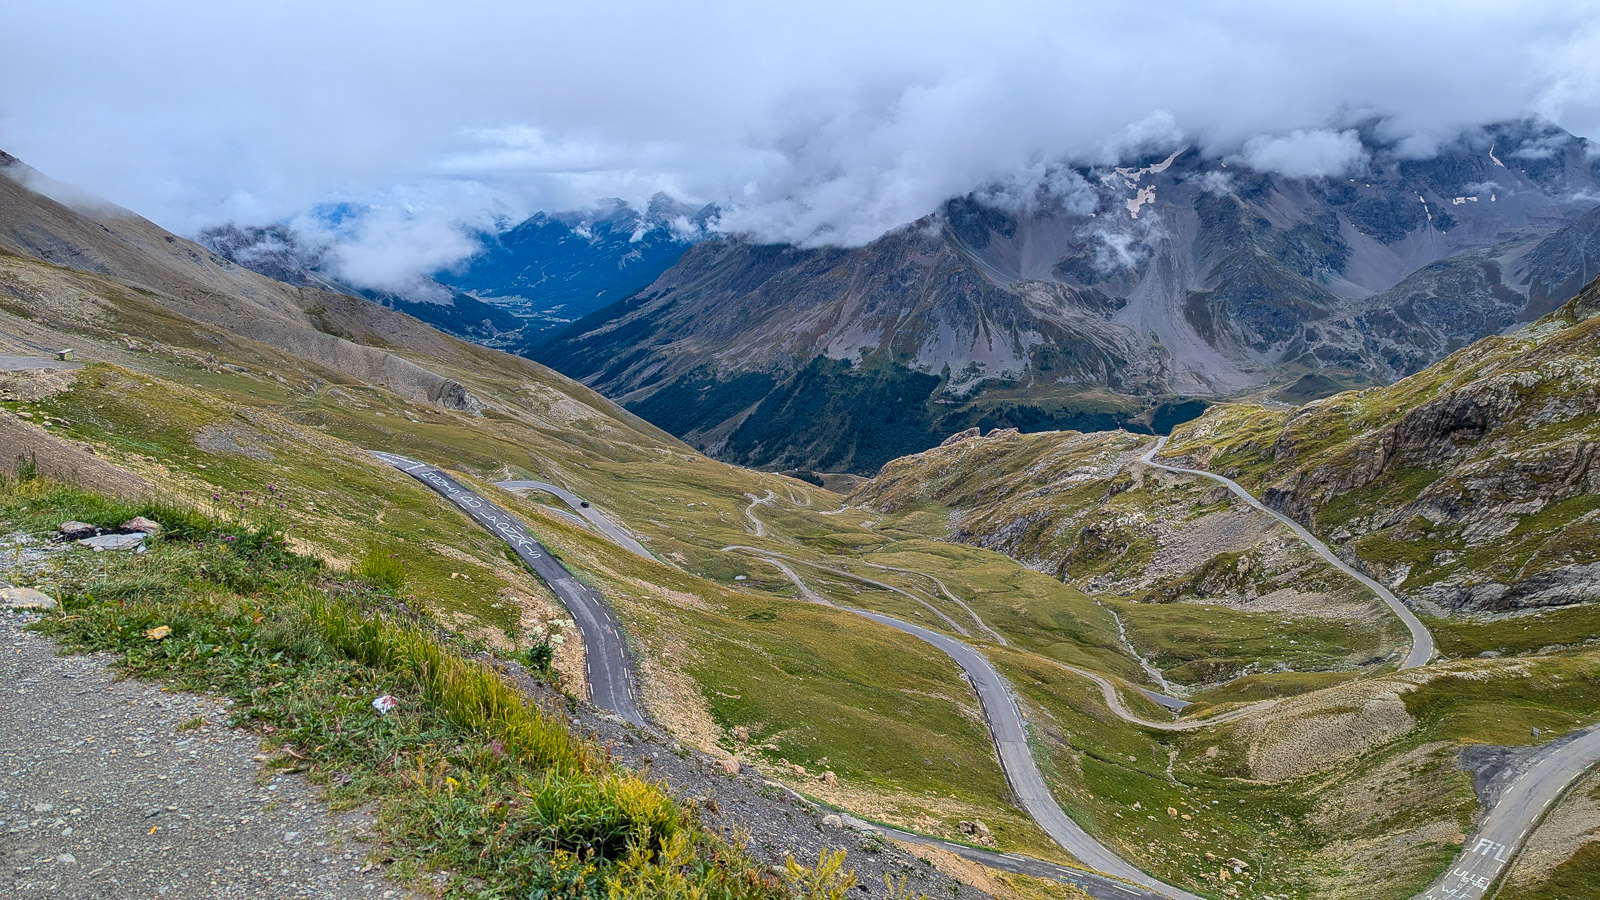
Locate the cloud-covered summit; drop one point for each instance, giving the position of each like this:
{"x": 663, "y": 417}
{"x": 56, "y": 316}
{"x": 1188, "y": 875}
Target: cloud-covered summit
{"x": 810, "y": 123}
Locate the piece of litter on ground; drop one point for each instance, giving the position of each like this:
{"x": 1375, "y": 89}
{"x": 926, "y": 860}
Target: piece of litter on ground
{"x": 385, "y": 703}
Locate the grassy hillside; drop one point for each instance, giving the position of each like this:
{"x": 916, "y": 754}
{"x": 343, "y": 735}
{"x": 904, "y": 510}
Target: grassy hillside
{"x": 477, "y": 788}
{"x": 218, "y": 412}
{"x": 1207, "y": 590}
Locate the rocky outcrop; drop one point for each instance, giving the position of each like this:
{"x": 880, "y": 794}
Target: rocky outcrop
{"x": 960, "y": 436}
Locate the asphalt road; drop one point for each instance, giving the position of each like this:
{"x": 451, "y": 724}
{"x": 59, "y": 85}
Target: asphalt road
{"x": 1486, "y": 854}
{"x": 610, "y": 668}
{"x": 949, "y": 595}
{"x": 1421, "y": 640}
{"x": 610, "y": 679}
{"x": 1016, "y": 757}
{"x": 30, "y": 363}
{"x": 599, "y": 520}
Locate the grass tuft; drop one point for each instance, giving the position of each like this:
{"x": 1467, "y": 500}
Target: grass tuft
{"x": 382, "y": 569}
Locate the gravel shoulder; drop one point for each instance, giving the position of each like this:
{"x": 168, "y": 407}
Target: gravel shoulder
{"x": 118, "y": 789}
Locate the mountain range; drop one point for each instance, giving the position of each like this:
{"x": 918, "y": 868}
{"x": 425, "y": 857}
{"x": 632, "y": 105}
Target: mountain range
{"x": 527, "y": 281}
{"x": 1105, "y": 296}
{"x": 1097, "y": 297}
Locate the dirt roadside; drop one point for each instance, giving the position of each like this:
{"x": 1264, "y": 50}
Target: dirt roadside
{"x": 118, "y": 789}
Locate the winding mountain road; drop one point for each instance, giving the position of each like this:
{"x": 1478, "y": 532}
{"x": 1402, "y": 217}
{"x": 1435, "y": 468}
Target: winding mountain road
{"x": 599, "y": 520}
{"x": 1483, "y": 859}
{"x": 611, "y": 684}
{"x": 605, "y": 650}
{"x": 1421, "y": 640}
{"x": 996, "y": 636}
{"x": 1010, "y": 734}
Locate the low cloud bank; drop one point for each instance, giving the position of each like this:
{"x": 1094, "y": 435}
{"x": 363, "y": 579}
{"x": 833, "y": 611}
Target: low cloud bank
{"x": 822, "y": 123}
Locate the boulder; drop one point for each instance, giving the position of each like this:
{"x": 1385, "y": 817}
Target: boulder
{"x": 960, "y": 436}
{"x": 141, "y": 525}
{"x": 979, "y": 832}
{"x": 134, "y": 542}
{"x": 25, "y": 598}
{"x": 728, "y": 765}
{"x": 833, "y": 821}
{"x": 74, "y": 530}
{"x": 829, "y": 779}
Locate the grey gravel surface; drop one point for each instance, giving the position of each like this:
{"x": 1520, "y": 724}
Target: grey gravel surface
{"x": 772, "y": 821}
{"x": 118, "y": 789}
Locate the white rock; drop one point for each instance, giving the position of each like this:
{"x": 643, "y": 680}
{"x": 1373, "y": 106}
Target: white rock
{"x": 114, "y": 542}
{"x": 25, "y": 598}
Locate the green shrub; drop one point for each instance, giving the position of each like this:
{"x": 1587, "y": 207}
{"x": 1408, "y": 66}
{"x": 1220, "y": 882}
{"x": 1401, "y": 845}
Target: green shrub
{"x": 539, "y": 658}
{"x": 382, "y": 569}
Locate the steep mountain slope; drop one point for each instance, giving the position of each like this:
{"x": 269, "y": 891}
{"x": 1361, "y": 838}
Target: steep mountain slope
{"x": 1106, "y": 291}
{"x": 223, "y": 389}
{"x": 1470, "y": 486}
{"x": 227, "y": 391}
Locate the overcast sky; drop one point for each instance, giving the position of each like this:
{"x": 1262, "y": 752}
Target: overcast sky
{"x": 813, "y": 121}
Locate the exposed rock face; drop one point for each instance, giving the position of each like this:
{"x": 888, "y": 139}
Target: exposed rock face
{"x": 1084, "y": 509}
{"x": 960, "y": 436}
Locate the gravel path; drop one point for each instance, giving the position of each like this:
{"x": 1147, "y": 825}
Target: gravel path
{"x": 117, "y": 789}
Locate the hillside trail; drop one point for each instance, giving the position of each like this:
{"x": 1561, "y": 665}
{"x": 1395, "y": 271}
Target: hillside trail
{"x": 750, "y": 511}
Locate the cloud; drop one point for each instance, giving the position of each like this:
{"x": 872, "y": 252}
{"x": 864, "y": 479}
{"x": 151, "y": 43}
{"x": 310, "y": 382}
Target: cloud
{"x": 1545, "y": 147}
{"x": 1216, "y": 181}
{"x": 1305, "y": 154}
{"x": 827, "y": 122}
